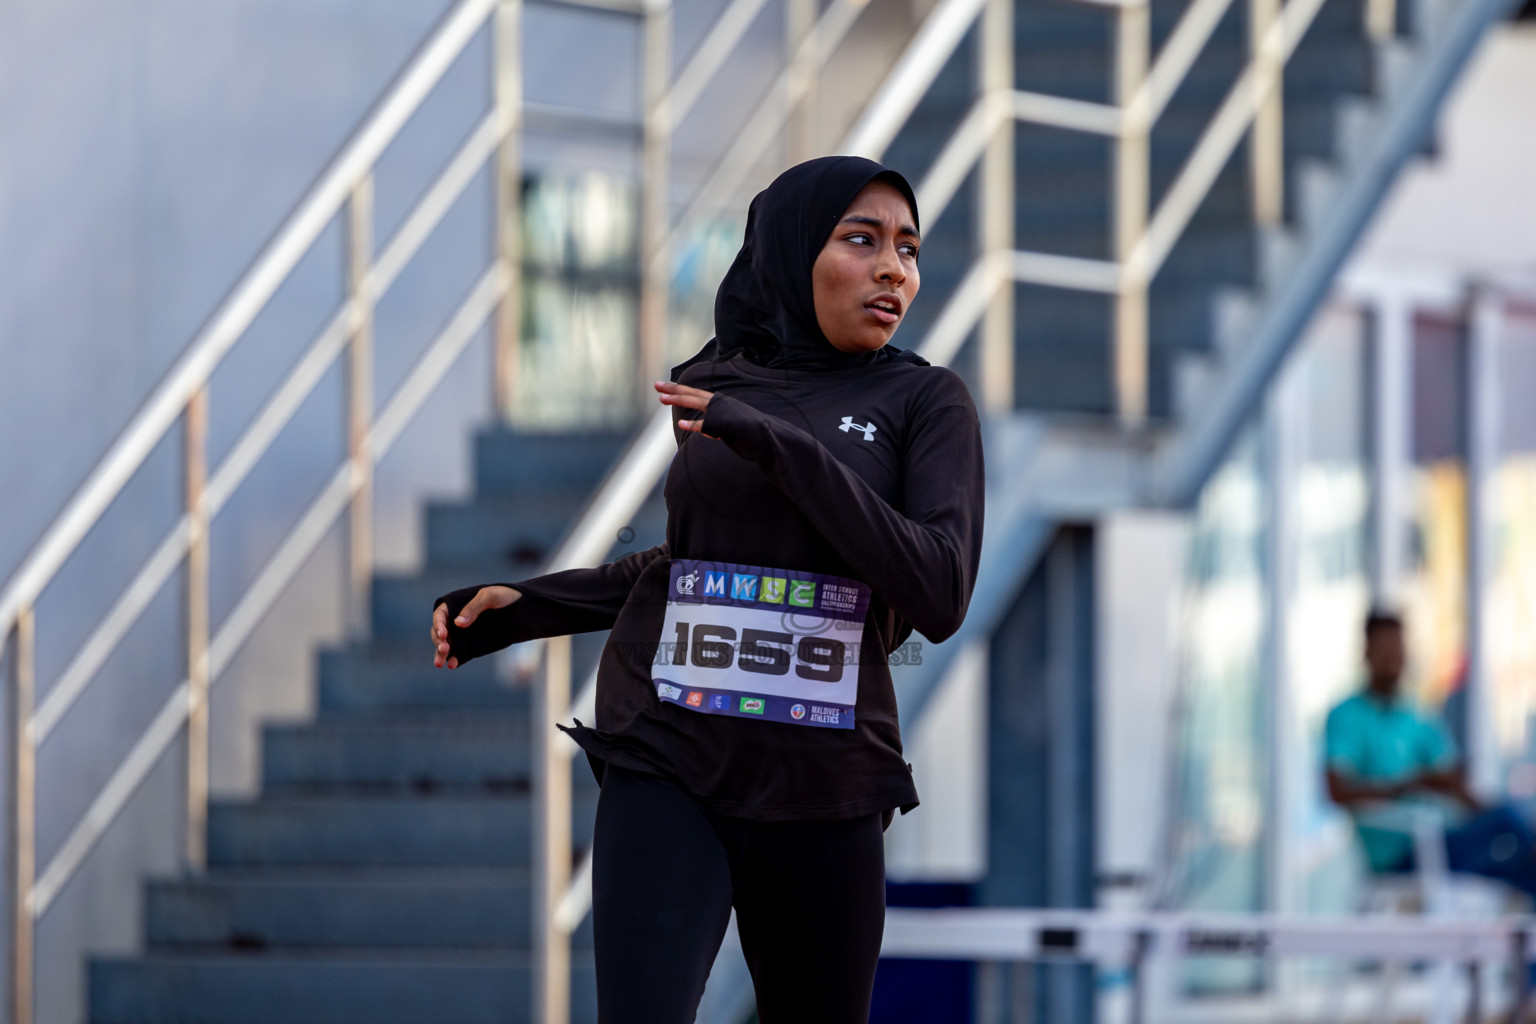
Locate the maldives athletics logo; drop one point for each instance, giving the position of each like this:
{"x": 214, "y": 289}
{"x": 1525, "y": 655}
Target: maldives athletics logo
{"x": 797, "y": 712}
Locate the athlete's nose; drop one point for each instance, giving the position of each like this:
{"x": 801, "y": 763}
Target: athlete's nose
{"x": 889, "y": 268}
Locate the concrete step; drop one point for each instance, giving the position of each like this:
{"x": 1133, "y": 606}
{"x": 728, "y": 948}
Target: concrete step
{"x": 402, "y": 608}
{"x": 344, "y": 987}
{"x": 1195, "y": 377}
{"x": 1041, "y": 24}
{"x": 386, "y": 908}
{"x": 1395, "y": 65}
{"x": 527, "y": 526}
{"x": 516, "y": 533}
{"x": 1278, "y": 250}
{"x": 423, "y": 752}
{"x": 450, "y": 830}
{"x": 380, "y": 676}
{"x": 1212, "y": 249}
{"x": 511, "y": 461}
{"x": 1329, "y": 61}
{"x": 1045, "y": 155}
{"x": 1234, "y": 314}
{"x": 1317, "y": 185}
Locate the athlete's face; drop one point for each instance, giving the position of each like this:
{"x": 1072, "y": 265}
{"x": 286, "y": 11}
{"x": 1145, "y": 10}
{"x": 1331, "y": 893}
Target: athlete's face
{"x": 865, "y": 278}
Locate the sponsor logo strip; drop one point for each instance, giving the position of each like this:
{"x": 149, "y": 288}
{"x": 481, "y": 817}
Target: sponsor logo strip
{"x": 752, "y": 586}
{"x": 759, "y": 707}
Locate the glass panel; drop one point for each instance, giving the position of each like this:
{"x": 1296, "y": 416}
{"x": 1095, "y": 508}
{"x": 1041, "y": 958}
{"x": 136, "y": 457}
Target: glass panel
{"x": 1332, "y": 594}
{"x": 1218, "y": 813}
{"x": 578, "y": 355}
{"x": 1511, "y": 597}
{"x": 580, "y": 294}
{"x": 701, "y": 262}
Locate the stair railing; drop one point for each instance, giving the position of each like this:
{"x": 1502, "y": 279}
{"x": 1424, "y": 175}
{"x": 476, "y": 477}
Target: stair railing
{"x": 1143, "y": 237}
{"x": 345, "y": 189}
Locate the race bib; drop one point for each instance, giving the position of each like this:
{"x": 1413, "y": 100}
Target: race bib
{"x": 763, "y": 643}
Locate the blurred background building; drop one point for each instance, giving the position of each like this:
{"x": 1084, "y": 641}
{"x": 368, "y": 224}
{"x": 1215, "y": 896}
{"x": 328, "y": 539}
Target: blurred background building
{"x": 312, "y": 311}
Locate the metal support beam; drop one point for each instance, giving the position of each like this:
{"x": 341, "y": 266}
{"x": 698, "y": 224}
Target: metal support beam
{"x": 198, "y": 675}
{"x": 360, "y": 406}
{"x": 21, "y": 819}
{"x": 508, "y": 28}
{"x": 995, "y": 212}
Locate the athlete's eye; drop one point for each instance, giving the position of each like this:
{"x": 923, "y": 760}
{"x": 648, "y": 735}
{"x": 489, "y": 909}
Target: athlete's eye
{"x": 859, "y": 239}
{"x": 909, "y": 249}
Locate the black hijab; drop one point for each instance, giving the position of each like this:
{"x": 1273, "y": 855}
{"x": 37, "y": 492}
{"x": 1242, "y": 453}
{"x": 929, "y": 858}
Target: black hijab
{"x": 765, "y": 308}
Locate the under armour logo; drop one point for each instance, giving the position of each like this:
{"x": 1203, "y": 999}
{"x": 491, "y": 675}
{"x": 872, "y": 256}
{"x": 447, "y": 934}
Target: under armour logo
{"x": 868, "y": 428}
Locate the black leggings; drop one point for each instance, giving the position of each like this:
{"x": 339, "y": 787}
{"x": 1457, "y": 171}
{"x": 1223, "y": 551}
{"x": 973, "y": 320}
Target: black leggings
{"x": 809, "y": 899}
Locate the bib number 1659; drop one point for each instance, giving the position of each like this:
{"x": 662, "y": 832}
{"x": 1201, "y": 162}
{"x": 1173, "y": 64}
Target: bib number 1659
{"x": 818, "y": 658}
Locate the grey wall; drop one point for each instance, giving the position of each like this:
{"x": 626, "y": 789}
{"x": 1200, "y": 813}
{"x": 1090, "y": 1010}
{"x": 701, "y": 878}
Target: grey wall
{"x": 151, "y": 147}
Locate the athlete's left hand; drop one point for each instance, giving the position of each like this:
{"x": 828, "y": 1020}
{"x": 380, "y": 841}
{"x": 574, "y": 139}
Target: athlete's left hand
{"x": 688, "y": 398}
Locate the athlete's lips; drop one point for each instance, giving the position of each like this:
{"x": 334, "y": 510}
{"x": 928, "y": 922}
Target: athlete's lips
{"x": 886, "y": 307}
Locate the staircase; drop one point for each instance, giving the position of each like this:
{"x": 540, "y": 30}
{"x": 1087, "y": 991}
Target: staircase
{"x": 1062, "y": 199}
{"x": 382, "y": 875}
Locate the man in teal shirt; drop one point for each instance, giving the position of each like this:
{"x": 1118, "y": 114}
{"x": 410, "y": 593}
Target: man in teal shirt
{"x": 1386, "y": 761}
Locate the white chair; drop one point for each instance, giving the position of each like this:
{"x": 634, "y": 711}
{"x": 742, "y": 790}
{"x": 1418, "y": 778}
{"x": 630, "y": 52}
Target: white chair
{"x": 1431, "y": 890}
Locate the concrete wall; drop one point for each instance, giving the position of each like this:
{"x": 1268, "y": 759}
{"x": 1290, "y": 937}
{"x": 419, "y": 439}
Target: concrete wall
{"x": 1472, "y": 208}
{"x": 1141, "y": 568}
{"x": 151, "y": 148}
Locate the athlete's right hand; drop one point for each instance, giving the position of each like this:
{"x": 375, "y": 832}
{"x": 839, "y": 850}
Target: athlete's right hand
{"x": 488, "y": 597}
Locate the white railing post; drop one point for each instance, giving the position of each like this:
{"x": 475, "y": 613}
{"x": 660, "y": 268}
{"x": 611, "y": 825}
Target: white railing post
{"x": 655, "y": 199}
{"x": 551, "y": 837}
{"x": 360, "y": 405}
{"x": 1381, "y": 19}
{"x": 1268, "y": 142}
{"x": 995, "y": 213}
{"x": 21, "y": 817}
{"x": 801, "y": 141}
{"x": 509, "y": 202}
{"x": 1132, "y": 187}
{"x": 198, "y": 677}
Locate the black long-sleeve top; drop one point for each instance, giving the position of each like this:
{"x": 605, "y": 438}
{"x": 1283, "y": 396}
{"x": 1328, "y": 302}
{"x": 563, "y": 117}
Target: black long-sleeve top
{"x": 874, "y": 474}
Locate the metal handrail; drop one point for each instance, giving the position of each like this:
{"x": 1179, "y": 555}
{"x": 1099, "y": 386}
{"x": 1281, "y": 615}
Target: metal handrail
{"x": 193, "y": 369}
{"x": 324, "y": 200}
{"x": 1149, "y": 243}
{"x": 346, "y": 185}
{"x": 758, "y": 132}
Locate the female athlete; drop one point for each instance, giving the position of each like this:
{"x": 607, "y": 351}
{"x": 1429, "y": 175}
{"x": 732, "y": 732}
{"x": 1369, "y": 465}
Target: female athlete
{"x": 825, "y": 501}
